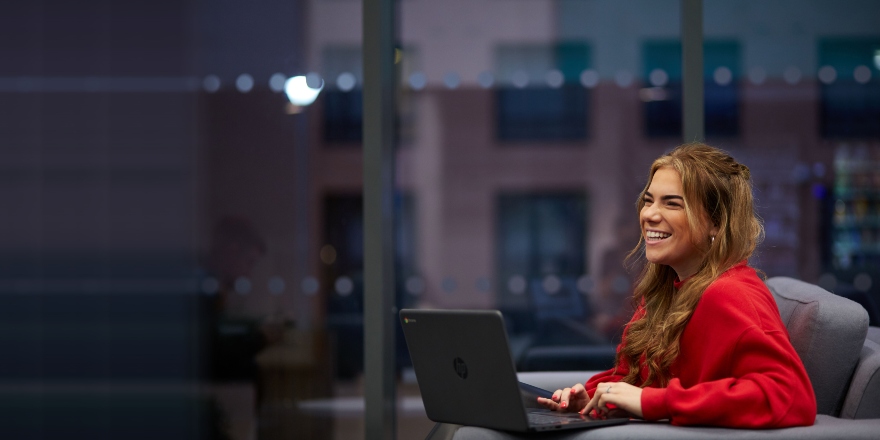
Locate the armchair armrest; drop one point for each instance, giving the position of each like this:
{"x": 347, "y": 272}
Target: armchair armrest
{"x": 863, "y": 397}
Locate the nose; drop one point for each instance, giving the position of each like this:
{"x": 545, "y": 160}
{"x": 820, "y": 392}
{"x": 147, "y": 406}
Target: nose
{"x": 650, "y": 214}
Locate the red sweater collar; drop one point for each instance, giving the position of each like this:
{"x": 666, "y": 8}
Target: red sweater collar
{"x": 678, "y": 283}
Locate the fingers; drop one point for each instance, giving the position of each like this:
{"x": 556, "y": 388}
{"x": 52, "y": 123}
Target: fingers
{"x": 548, "y": 403}
{"x": 598, "y": 402}
{"x": 592, "y": 404}
{"x": 566, "y": 399}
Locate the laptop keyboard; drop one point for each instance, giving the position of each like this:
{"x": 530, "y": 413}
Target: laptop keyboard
{"x": 551, "y": 419}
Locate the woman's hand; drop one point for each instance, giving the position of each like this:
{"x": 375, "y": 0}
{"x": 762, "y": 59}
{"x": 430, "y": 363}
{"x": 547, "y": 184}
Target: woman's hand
{"x": 567, "y": 400}
{"x": 622, "y": 395}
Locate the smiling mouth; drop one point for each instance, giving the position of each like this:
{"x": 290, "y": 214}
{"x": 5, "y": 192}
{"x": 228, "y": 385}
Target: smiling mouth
{"x": 656, "y": 236}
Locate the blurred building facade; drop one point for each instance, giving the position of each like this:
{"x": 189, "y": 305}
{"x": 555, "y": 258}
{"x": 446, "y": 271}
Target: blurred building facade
{"x": 183, "y": 243}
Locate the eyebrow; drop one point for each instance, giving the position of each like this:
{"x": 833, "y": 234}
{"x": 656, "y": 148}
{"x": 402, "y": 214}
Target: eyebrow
{"x": 665, "y": 198}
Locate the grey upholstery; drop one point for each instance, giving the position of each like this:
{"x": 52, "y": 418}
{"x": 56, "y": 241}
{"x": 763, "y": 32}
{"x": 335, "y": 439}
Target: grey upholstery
{"x": 863, "y": 399}
{"x": 830, "y": 333}
{"x": 874, "y": 334}
{"x": 827, "y": 331}
{"x": 826, "y": 427}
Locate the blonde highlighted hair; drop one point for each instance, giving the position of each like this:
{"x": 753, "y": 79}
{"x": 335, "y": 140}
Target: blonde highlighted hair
{"x": 715, "y": 188}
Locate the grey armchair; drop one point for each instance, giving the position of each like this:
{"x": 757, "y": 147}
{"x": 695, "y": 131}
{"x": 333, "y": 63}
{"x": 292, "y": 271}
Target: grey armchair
{"x": 840, "y": 351}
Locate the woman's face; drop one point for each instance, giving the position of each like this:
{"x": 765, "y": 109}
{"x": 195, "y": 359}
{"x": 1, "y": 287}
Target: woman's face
{"x": 668, "y": 238}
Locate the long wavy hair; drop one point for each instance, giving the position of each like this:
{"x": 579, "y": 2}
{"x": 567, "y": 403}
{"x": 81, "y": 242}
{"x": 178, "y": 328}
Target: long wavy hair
{"x": 716, "y": 188}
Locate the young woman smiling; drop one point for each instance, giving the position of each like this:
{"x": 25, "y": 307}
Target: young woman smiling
{"x": 706, "y": 345}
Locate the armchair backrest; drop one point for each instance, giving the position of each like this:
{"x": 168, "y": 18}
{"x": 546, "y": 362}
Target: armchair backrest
{"x": 827, "y": 331}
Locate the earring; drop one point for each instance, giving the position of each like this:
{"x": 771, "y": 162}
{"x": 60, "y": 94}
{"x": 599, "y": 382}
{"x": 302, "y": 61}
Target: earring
{"x": 713, "y": 239}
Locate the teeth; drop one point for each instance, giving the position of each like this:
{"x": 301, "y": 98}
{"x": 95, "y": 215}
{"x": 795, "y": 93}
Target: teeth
{"x": 657, "y": 235}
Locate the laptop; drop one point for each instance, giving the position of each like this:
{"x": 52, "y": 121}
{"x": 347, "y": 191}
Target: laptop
{"x": 466, "y": 374}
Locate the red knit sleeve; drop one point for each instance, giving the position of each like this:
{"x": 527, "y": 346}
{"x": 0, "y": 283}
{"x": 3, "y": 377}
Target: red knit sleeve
{"x": 767, "y": 389}
{"x": 744, "y": 374}
{"x": 605, "y": 376}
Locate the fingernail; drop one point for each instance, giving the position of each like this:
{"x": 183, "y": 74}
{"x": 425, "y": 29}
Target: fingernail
{"x": 563, "y": 405}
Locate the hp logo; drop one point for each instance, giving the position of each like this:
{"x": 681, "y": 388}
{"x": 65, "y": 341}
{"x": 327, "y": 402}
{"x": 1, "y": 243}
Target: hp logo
{"x": 460, "y": 367}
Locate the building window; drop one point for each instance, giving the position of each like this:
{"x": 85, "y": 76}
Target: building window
{"x": 849, "y": 78}
{"x": 541, "y": 255}
{"x": 662, "y": 94}
{"x": 342, "y": 98}
{"x": 539, "y": 96}
{"x": 343, "y": 115}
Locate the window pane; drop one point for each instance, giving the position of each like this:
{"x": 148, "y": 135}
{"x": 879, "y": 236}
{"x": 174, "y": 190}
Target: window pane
{"x": 809, "y": 131}
{"x": 526, "y": 157}
{"x": 663, "y": 92}
{"x": 163, "y": 272}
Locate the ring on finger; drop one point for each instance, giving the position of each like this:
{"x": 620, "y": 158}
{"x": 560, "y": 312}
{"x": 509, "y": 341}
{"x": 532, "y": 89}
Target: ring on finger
{"x": 608, "y": 390}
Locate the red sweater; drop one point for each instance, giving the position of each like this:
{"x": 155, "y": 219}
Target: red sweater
{"x": 736, "y": 368}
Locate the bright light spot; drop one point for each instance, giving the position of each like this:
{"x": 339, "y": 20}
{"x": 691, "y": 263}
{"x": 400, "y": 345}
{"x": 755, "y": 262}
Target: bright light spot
{"x": 658, "y": 77}
{"x": 757, "y": 75}
{"x": 551, "y": 284}
{"x": 485, "y": 79}
{"x": 244, "y": 83}
{"x": 589, "y": 78}
{"x": 827, "y": 74}
{"x": 791, "y": 75}
{"x": 520, "y": 79}
{"x": 722, "y": 76}
{"x": 516, "y": 284}
{"x": 309, "y": 285}
{"x": 298, "y": 91}
{"x": 242, "y": 285}
{"x": 418, "y": 81}
{"x": 346, "y": 81}
{"x": 554, "y": 79}
{"x": 211, "y": 83}
{"x": 344, "y": 286}
{"x": 877, "y": 59}
{"x": 623, "y": 78}
{"x": 210, "y": 285}
{"x": 862, "y": 74}
{"x": 415, "y": 285}
{"x": 276, "y": 82}
{"x": 276, "y": 285}
{"x": 862, "y": 282}
{"x": 451, "y": 80}
{"x": 585, "y": 284}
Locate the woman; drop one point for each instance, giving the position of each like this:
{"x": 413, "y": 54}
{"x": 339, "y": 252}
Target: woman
{"x": 706, "y": 345}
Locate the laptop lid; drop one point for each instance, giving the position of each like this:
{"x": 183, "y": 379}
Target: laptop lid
{"x": 465, "y": 371}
